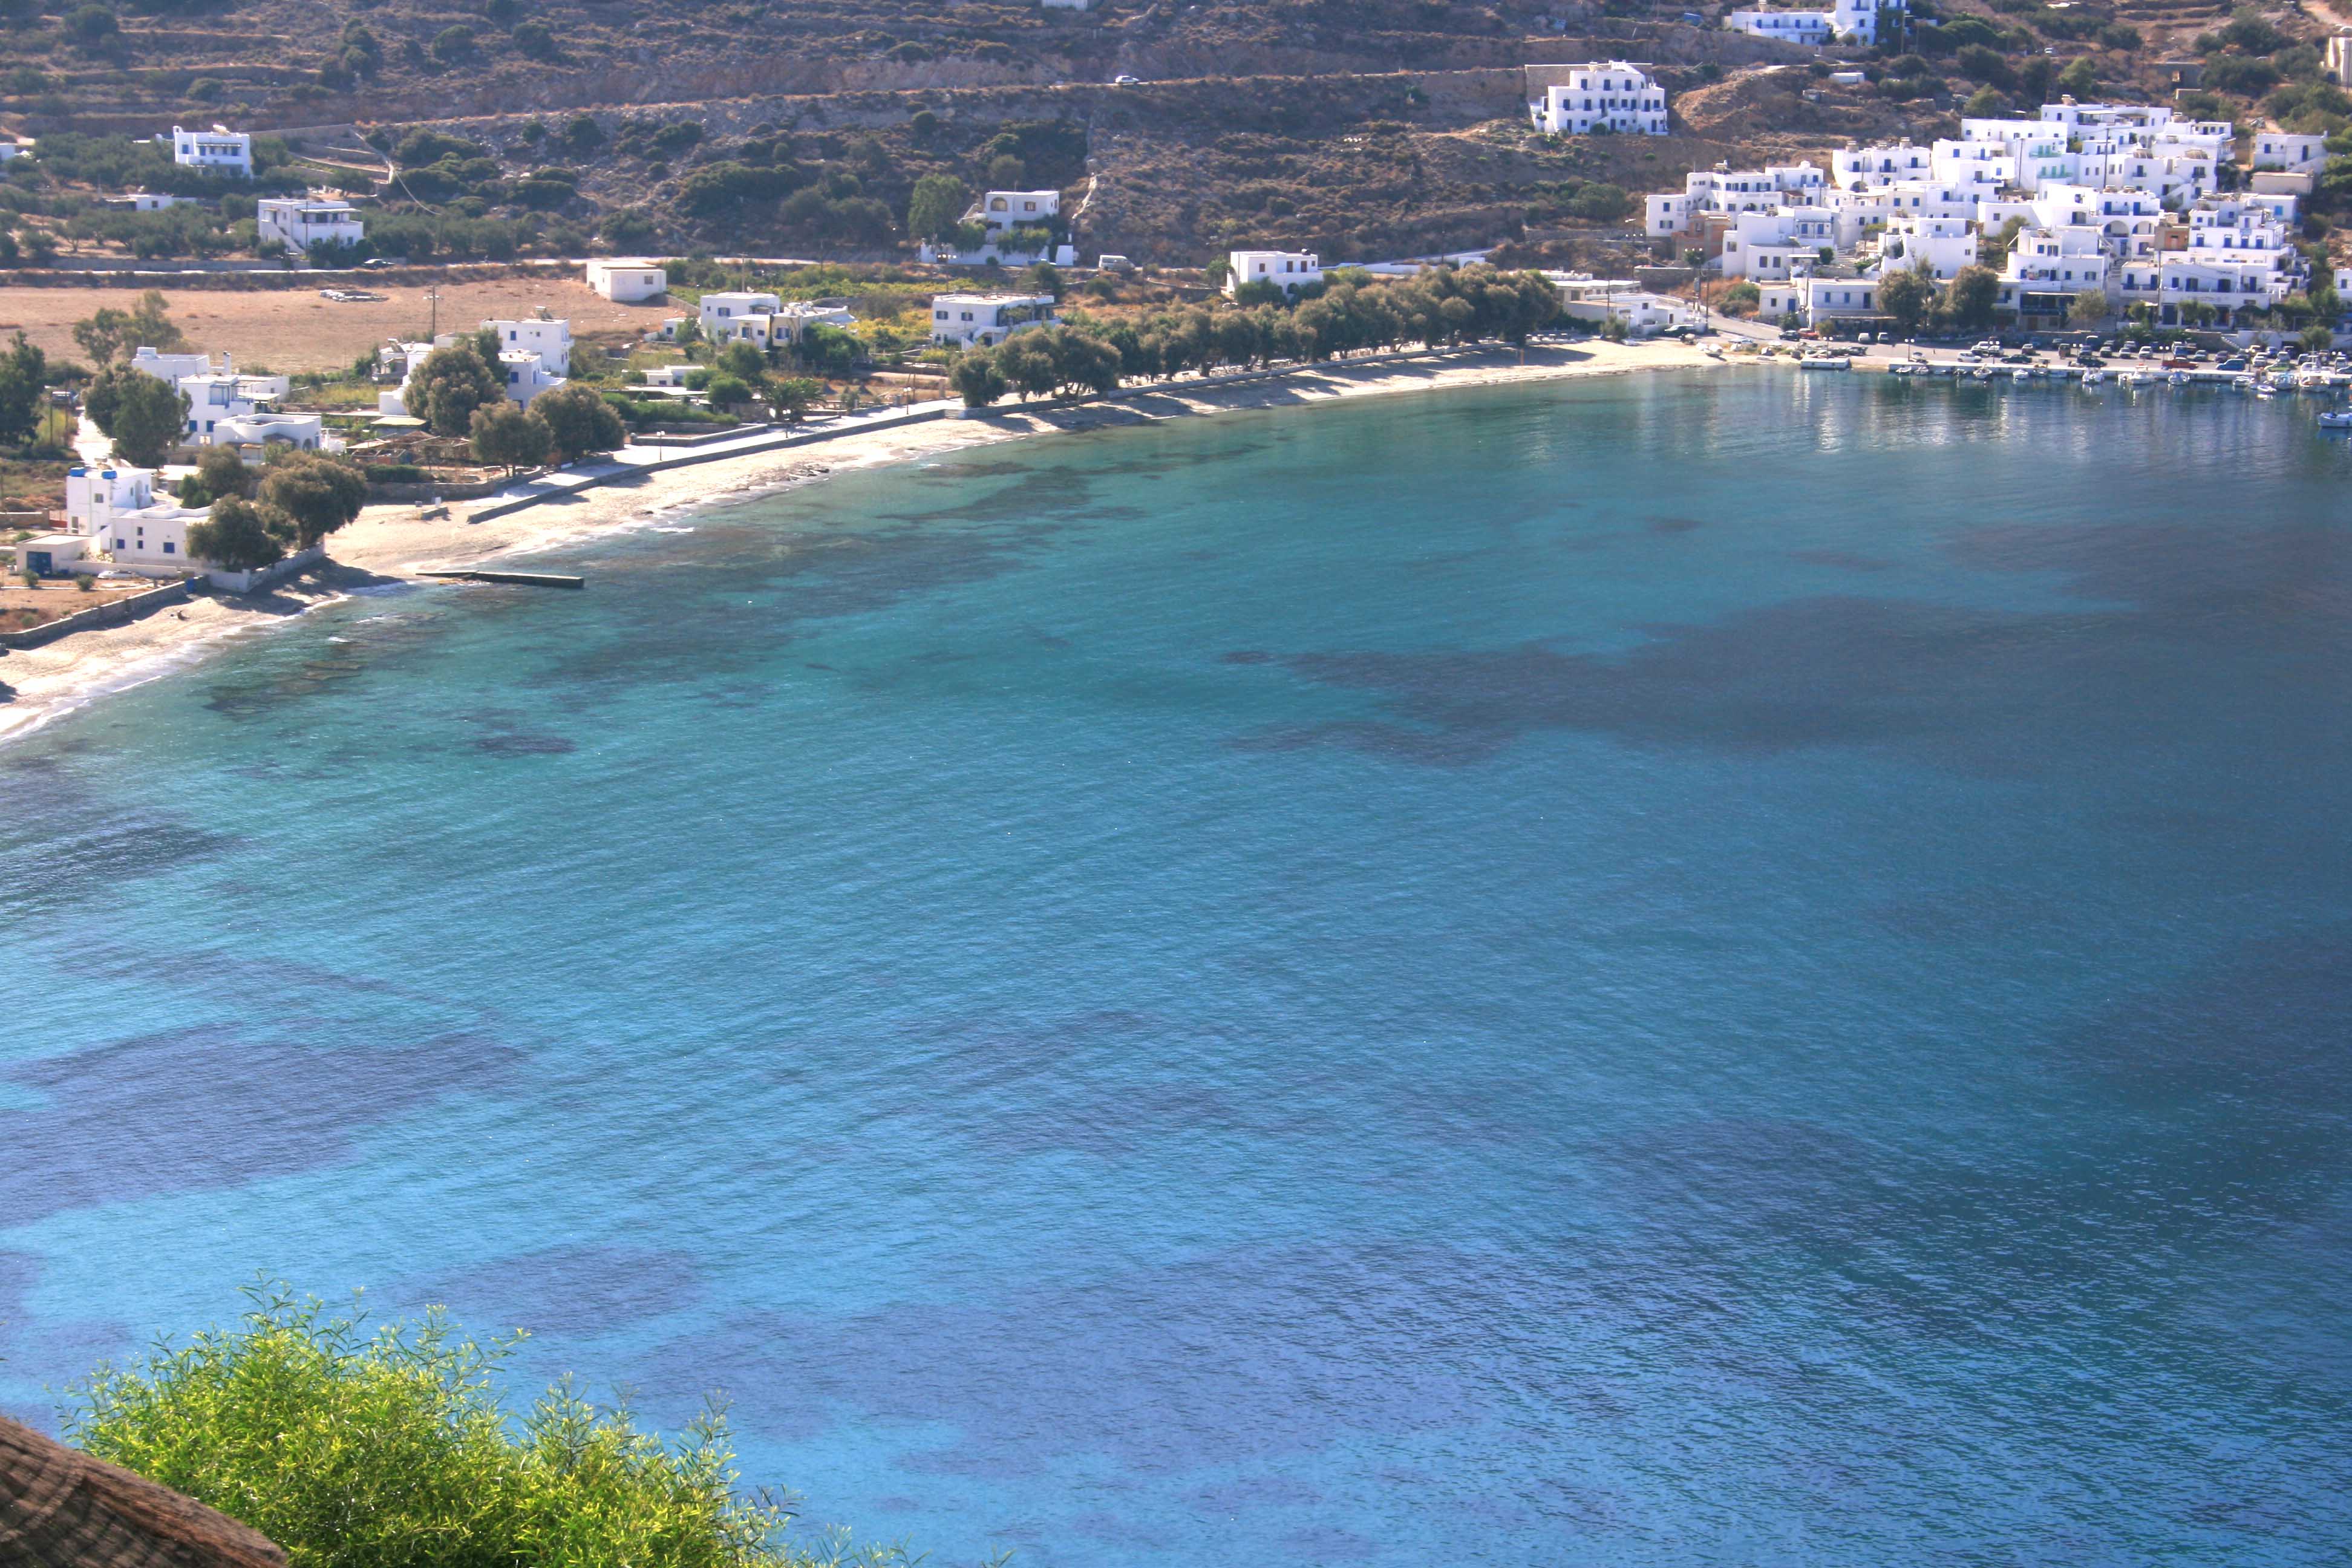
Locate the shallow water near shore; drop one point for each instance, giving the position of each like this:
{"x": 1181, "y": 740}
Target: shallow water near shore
{"x": 1675, "y": 970}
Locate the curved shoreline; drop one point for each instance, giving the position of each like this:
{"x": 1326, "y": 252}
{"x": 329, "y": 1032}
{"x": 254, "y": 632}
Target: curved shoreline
{"x": 390, "y": 544}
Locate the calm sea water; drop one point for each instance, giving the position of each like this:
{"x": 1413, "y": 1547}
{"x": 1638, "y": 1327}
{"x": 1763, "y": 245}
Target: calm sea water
{"x": 1720, "y": 971}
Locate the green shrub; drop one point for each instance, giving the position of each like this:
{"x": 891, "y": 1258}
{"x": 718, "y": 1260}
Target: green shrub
{"x": 394, "y": 1449}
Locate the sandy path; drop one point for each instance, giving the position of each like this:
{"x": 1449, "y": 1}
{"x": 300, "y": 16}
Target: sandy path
{"x": 38, "y": 684}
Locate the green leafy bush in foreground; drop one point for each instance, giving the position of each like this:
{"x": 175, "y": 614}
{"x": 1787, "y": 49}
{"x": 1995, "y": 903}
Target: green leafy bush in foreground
{"x": 392, "y": 1448}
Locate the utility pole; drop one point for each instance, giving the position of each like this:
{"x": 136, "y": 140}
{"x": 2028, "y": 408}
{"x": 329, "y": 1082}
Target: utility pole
{"x": 433, "y": 295}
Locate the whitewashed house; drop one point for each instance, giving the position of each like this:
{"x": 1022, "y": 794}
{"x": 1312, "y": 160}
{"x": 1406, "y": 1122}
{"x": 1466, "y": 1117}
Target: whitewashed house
{"x": 721, "y": 313}
{"x": 1846, "y": 19}
{"x": 2047, "y": 267}
{"x": 1723, "y": 189}
{"x": 549, "y": 339}
{"x": 1288, "y": 270}
{"x": 761, "y": 319}
{"x": 223, "y": 410}
{"x": 1600, "y": 301}
{"x": 219, "y": 151}
{"x": 1778, "y": 243}
{"x": 966, "y": 321}
{"x": 116, "y": 511}
{"x": 1944, "y": 244}
{"x": 142, "y": 201}
{"x": 1858, "y": 168}
{"x": 2293, "y": 151}
{"x": 627, "y": 282}
{"x": 300, "y": 224}
{"x": 1003, "y": 210}
{"x": 1614, "y": 96}
{"x": 172, "y": 367}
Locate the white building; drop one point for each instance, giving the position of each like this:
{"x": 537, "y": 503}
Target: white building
{"x": 526, "y": 375}
{"x": 1001, "y": 210}
{"x": 172, "y": 367}
{"x": 225, "y": 409}
{"x": 1611, "y": 95}
{"x": 1723, "y": 189}
{"x": 1600, "y": 301}
{"x": 1778, "y": 243}
{"x": 544, "y": 336}
{"x": 142, "y": 201}
{"x": 1288, "y": 270}
{"x": 116, "y": 511}
{"x": 2047, "y": 267}
{"x": 1846, "y": 19}
{"x": 1945, "y": 244}
{"x": 2293, "y": 151}
{"x": 220, "y": 150}
{"x": 761, "y": 319}
{"x": 627, "y": 282}
{"x": 1828, "y": 295}
{"x": 963, "y": 321}
{"x": 300, "y": 224}
{"x": 1858, "y": 168}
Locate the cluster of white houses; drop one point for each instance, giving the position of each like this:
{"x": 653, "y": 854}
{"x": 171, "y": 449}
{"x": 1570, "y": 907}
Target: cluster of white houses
{"x": 534, "y": 356}
{"x": 2119, "y": 199}
{"x": 226, "y": 408}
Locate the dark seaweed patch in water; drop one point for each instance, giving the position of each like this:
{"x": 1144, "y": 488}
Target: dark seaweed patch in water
{"x": 2267, "y": 1034}
{"x": 516, "y": 745}
{"x": 1842, "y": 559}
{"x": 1991, "y": 692}
{"x": 1231, "y": 1359}
{"x": 754, "y": 606}
{"x": 1675, "y": 524}
{"x": 213, "y": 1107}
{"x": 573, "y": 1291}
{"x": 75, "y": 858}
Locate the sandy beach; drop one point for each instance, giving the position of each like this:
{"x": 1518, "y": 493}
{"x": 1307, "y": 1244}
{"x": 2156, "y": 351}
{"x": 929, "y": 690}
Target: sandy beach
{"x": 392, "y": 543}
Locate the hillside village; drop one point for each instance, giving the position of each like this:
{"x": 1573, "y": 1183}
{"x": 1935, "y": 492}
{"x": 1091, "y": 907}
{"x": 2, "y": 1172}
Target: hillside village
{"x": 1851, "y": 170}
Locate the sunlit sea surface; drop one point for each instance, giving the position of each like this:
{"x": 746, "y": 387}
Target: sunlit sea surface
{"x": 1671, "y": 971}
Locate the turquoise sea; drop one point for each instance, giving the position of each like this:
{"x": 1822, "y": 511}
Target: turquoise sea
{"x": 1668, "y": 971}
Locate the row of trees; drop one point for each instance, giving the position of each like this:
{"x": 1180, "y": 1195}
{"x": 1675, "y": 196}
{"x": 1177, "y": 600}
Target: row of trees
{"x": 296, "y": 499}
{"x": 1913, "y": 297}
{"x": 1434, "y": 308}
{"x": 459, "y": 391}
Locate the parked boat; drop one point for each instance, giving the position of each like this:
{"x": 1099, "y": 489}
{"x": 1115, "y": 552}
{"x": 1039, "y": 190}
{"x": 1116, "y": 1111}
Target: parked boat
{"x": 2094, "y": 378}
{"x": 2337, "y": 419}
{"x": 2021, "y": 373}
{"x": 2178, "y": 378}
{"x": 1824, "y": 362}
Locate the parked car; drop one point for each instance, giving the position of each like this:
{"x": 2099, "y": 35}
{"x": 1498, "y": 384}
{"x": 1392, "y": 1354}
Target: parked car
{"x": 1124, "y": 80}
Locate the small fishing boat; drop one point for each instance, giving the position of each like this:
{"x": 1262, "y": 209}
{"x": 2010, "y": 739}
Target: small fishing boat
{"x": 2134, "y": 379}
{"x": 2178, "y": 378}
{"x": 2337, "y": 419}
{"x": 2021, "y": 373}
{"x": 2094, "y": 378}
{"x": 1824, "y": 362}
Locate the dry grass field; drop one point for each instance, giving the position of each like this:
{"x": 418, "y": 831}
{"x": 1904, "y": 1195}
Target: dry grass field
{"x": 289, "y": 330}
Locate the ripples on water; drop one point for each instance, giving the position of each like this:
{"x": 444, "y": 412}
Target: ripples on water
{"x": 1695, "y": 972}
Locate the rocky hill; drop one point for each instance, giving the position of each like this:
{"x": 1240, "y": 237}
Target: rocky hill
{"x": 1357, "y": 127}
